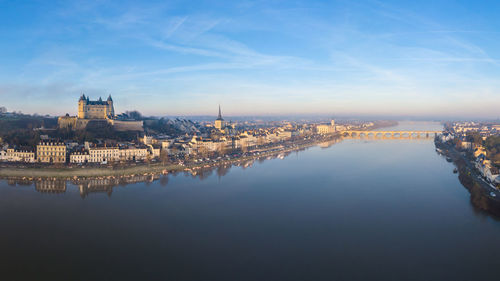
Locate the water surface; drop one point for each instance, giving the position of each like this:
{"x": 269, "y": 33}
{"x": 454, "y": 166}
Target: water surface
{"x": 361, "y": 209}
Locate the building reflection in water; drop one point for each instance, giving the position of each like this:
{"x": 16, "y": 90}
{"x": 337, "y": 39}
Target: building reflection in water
{"x": 329, "y": 143}
{"x": 19, "y": 182}
{"x": 223, "y": 170}
{"x": 164, "y": 181}
{"x": 480, "y": 200}
{"x": 106, "y": 185}
{"x": 50, "y": 186}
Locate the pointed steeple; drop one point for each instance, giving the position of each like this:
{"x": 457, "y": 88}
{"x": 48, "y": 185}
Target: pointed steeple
{"x": 220, "y": 114}
{"x": 109, "y": 98}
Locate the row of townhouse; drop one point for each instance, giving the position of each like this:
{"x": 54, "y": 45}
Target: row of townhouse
{"x": 56, "y": 152}
{"x": 484, "y": 165}
{"x": 113, "y": 154}
{"x": 487, "y": 170}
{"x": 445, "y": 137}
{"x": 11, "y": 155}
{"x": 248, "y": 139}
{"x": 186, "y": 145}
{"x": 485, "y": 130}
{"x": 46, "y": 152}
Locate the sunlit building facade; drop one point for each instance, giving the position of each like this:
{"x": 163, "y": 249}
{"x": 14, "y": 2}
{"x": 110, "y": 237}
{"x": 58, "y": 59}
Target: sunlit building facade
{"x": 51, "y": 152}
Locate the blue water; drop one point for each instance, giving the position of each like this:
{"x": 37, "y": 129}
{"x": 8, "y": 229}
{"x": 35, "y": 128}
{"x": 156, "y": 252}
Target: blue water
{"x": 360, "y": 209}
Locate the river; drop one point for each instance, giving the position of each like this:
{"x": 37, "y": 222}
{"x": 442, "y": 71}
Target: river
{"x": 360, "y": 209}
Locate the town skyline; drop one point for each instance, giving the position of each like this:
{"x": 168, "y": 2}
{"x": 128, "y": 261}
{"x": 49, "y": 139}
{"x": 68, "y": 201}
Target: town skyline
{"x": 249, "y": 140}
{"x": 281, "y": 116}
{"x": 349, "y": 59}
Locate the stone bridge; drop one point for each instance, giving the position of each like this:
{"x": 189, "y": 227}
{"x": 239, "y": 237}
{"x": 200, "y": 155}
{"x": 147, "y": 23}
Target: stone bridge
{"x": 390, "y": 134}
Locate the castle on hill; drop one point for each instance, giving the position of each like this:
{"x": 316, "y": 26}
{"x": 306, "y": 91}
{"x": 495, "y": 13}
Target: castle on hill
{"x": 97, "y": 111}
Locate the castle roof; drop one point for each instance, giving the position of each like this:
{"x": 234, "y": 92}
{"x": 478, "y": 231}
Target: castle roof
{"x": 96, "y": 102}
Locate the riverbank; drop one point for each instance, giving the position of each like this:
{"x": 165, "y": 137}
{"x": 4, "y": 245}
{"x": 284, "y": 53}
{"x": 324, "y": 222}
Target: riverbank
{"x": 72, "y": 172}
{"x": 82, "y": 172}
{"x": 480, "y": 191}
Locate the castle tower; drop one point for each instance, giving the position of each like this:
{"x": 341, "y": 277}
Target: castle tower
{"x": 111, "y": 109}
{"x": 82, "y": 102}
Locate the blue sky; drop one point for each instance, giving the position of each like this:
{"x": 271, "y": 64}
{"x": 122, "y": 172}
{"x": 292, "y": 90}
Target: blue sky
{"x": 421, "y": 58}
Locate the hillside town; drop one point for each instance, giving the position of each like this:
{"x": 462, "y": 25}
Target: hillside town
{"x": 479, "y": 143}
{"x": 147, "y": 140}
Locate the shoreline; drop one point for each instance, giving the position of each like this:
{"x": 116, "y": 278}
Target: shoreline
{"x": 78, "y": 173}
{"x": 26, "y": 173}
{"x": 480, "y": 196}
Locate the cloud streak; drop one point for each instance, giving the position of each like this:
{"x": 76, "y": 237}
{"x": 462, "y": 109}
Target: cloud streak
{"x": 259, "y": 56}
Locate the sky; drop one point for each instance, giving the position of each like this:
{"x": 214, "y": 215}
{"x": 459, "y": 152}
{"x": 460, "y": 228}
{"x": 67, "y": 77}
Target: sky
{"x": 390, "y": 58}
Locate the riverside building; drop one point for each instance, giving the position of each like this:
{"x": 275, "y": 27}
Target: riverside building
{"x": 105, "y": 155}
{"x": 51, "y": 152}
{"x": 12, "y": 155}
{"x": 326, "y": 129}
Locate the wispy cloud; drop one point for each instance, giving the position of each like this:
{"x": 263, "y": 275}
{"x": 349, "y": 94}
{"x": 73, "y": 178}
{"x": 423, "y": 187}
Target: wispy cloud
{"x": 328, "y": 56}
{"x": 173, "y": 26}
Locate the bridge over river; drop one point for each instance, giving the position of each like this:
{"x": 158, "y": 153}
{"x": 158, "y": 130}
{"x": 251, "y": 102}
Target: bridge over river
{"x": 390, "y": 134}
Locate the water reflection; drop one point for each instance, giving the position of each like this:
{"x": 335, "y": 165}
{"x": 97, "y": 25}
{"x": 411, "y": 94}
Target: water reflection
{"x": 88, "y": 185}
{"x": 50, "y": 186}
{"x": 388, "y": 207}
{"x": 106, "y": 185}
{"x": 329, "y": 143}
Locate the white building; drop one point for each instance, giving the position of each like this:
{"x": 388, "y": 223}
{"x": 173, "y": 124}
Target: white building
{"x": 79, "y": 157}
{"x": 154, "y": 151}
{"x": 104, "y": 154}
{"x": 488, "y": 171}
{"x": 147, "y": 139}
{"x": 325, "y": 129}
{"x": 12, "y": 155}
{"x": 133, "y": 154}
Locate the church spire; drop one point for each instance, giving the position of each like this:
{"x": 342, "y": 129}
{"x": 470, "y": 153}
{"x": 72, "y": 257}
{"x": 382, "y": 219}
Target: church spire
{"x": 219, "y": 122}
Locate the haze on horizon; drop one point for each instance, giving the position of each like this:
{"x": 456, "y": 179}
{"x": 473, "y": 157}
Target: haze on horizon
{"x": 390, "y": 58}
